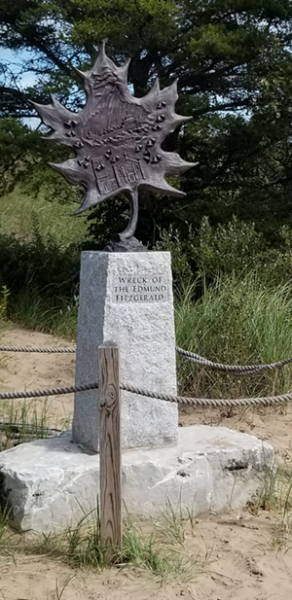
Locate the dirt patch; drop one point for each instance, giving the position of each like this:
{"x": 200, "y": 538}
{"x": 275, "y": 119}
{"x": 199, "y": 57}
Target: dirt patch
{"x": 30, "y": 371}
{"x": 247, "y": 557}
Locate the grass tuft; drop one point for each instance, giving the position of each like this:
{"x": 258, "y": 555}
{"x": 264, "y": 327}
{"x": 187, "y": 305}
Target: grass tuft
{"x": 26, "y": 421}
{"x": 143, "y": 548}
{"x": 276, "y": 496}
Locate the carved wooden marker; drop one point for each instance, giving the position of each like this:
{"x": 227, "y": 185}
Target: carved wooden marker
{"x": 110, "y": 448}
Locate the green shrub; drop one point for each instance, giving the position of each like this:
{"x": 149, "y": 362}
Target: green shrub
{"x": 42, "y": 277}
{"x": 232, "y": 248}
{"x": 182, "y": 252}
{"x": 4, "y": 294}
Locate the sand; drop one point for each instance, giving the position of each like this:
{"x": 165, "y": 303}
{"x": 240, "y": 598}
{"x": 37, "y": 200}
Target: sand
{"x": 234, "y": 557}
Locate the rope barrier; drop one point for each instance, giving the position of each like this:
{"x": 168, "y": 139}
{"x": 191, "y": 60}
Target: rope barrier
{"x": 50, "y": 392}
{"x": 41, "y": 350}
{"x": 235, "y": 369}
{"x": 202, "y": 402}
{"x": 208, "y": 402}
{"x": 191, "y": 356}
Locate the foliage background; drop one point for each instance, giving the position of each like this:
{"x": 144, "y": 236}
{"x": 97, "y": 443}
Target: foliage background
{"x": 231, "y": 235}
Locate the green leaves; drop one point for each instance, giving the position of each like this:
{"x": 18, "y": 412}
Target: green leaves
{"x": 128, "y": 23}
{"x": 16, "y": 141}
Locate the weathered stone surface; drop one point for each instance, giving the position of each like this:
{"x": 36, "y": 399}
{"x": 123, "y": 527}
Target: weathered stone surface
{"x": 51, "y": 483}
{"x": 127, "y": 298}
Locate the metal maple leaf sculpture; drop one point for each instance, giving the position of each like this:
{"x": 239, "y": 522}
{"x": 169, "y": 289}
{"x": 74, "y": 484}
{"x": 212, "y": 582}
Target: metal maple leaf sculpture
{"x": 116, "y": 138}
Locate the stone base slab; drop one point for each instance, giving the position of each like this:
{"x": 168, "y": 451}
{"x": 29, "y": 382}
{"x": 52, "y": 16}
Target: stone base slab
{"x": 52, "y": 483}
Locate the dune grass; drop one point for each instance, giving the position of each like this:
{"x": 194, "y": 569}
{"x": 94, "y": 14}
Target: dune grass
{"x": 236, "y": 322}
{"x": 151, "y": 545}
{"x": 19, "y": 209}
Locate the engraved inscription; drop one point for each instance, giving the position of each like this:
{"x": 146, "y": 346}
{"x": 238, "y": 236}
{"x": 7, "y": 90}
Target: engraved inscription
{"x": 140, "y": 288}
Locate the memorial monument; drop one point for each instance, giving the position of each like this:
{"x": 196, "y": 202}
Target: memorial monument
{"x": 126, "y": 298}
{"x": 125, "y": 295}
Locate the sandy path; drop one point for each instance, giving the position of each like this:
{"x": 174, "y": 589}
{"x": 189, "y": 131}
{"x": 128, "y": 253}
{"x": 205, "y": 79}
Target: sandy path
{"x": 233, "y": 560}
{"x": 30, "y": 371}
{"x": 235, "y": 557}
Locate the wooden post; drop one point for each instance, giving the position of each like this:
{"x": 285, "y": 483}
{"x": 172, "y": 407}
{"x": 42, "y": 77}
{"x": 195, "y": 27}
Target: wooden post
{"x": 110, "y": 448}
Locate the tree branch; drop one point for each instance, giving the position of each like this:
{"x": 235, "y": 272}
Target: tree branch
{"x": 52, "y": 57}
{"x": 14, "y": 92}
{"x": 236, "y": 104}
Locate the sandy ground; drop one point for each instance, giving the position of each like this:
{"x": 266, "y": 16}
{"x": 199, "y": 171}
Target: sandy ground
{"x": 234, "y": 557}
{"x": 30, "y": 371}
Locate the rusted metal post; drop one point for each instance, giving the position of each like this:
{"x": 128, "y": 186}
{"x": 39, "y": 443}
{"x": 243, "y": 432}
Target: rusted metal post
{"x": 110, "y": 448}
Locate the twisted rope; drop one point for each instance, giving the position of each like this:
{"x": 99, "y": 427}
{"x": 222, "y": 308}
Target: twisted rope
{"x": 50, "y": 392}
{"x": 42, "y": 350}
{"x": 203, "y": 402}
{"x": 208, "y": 402}
{"x": 235, "y": 369}
{"x": 196, "y": 358}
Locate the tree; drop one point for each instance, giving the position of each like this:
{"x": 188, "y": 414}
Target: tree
{"x": 233, "y": 61}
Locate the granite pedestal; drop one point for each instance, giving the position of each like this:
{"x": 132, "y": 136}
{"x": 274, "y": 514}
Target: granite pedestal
{"x": 127, "y": 298}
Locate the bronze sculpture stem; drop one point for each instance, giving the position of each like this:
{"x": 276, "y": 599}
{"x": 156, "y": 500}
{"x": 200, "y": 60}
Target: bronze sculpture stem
{"x": 131, "y": 227}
